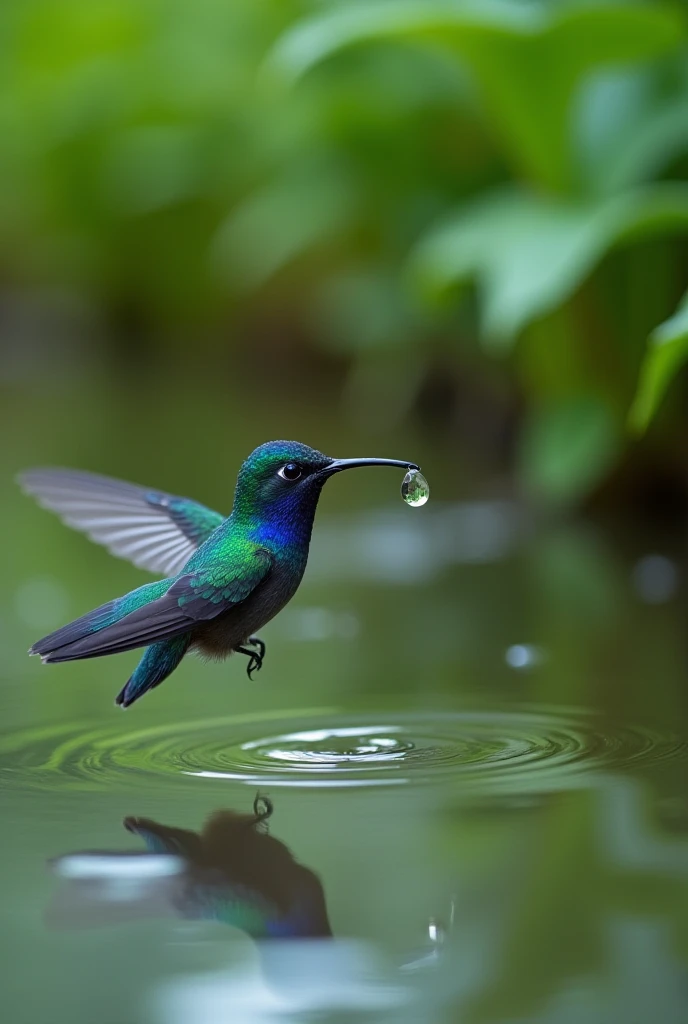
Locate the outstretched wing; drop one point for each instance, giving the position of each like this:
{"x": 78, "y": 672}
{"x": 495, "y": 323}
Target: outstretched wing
{"x": 193, "y": 599}
{"x": 154, "y": 530}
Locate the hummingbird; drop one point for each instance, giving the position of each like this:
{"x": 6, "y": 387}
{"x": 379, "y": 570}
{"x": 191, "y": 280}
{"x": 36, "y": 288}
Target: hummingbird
{"x": 225, "y": 578}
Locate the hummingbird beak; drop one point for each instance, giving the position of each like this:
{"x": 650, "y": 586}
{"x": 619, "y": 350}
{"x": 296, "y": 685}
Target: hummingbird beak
{"x": 337, "y": 465}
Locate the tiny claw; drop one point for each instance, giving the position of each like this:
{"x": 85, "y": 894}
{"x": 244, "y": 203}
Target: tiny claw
{"x": 262, "y": 811}
{"x": 255, "y": 658}
{"x": 262, "y": 807}
{"x": 255, "y": 665}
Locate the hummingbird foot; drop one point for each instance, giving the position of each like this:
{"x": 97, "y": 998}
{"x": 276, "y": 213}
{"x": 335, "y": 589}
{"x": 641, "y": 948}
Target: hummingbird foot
{"x": 255, "y": 658}
{"x": 262, "y": 810}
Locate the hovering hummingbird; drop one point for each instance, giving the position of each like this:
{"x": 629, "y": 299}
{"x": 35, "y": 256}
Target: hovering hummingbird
{"x": 225, "y": 578}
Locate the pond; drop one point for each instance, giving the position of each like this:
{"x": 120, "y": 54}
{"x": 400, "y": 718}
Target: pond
{"x": 456, "y": 790}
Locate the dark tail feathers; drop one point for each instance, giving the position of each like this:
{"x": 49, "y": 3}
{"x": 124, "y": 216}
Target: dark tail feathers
{"x": 155, "y": 666}
{"x": 76, "y": 640}
{"x": 55, "y": 646}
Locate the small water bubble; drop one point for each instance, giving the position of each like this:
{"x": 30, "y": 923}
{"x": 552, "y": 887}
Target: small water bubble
{"x": 523, "y": 656}
{"x": 436, "y": 932}
{"x": 415, "y": 489}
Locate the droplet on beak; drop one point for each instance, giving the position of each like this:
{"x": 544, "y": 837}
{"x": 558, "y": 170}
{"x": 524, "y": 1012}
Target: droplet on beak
{"x": 415, "y": 489}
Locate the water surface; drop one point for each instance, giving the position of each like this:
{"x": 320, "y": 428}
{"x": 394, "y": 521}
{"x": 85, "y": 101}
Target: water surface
{"x": 473, "y": 738}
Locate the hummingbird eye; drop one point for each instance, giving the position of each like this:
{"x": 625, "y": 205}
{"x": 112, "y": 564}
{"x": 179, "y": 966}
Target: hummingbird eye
{"x": 290, "y": 471}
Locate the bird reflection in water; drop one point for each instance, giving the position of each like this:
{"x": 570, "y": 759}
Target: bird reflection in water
{"x": 232, "y": 871}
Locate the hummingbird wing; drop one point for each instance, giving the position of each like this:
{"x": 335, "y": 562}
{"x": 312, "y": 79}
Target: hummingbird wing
{"x": 154, "y": 530}
{"x": 192, "y": 599}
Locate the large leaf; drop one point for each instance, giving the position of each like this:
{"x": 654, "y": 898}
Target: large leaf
{"x": 666, "y": 354}
{"x": 529, "y": 254}
{"x": 627, "y": 130}
{"x": 527, "y": 59}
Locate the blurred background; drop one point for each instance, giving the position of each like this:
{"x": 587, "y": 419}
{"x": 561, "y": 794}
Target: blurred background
{"x": 466, "y": 220}
{"x": 453, "y": 232}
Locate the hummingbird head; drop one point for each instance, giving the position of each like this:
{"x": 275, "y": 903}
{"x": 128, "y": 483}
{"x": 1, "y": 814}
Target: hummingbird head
{"x": 285, "y": 477}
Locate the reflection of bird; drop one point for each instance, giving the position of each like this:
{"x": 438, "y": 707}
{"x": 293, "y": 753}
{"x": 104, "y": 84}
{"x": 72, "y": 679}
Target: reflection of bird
{"x": 232, "y": 871}
{"x": 225, "y": 577}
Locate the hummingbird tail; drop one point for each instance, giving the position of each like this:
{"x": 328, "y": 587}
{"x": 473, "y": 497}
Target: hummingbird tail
{"x": 73, "y": 640}
{"x": 155, "y": 666}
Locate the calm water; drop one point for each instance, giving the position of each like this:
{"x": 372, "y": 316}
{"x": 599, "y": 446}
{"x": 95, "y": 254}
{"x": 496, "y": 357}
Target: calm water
{"x": 471, "y": 733}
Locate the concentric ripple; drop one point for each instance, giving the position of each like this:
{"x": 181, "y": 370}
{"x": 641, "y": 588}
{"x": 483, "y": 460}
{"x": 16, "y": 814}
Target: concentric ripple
{"x": 502, "y": 750}
{"x": 526, "y": 749}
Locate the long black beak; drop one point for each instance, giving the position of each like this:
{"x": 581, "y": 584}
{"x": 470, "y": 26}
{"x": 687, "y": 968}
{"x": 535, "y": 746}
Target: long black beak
{"x": 339, "y": 464}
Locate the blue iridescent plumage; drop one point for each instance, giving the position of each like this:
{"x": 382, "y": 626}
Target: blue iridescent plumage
{"x": 224, "y": 578}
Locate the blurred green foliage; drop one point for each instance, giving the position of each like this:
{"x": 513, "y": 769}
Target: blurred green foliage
{"x": 668, "y": 350}
{"x": 492, "y": 187}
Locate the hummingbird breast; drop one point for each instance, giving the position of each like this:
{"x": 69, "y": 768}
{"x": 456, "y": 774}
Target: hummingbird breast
{"x": 218, "y": 637}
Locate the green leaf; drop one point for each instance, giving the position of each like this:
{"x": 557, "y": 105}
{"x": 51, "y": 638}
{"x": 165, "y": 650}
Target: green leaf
{"x": 566, "y": 448}
{"x": 315, "y": 39}
{"x": 627, "y": 130}
{"x": 528, "y": 60}
{"x": 667, "y": 352}
{"x": 529, "y": 254}
{"x": 657, "y": 140}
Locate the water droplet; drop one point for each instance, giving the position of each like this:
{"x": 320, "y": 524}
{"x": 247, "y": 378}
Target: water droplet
{"x": 524, "y": 656}
{"x": 415, "y": 489}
